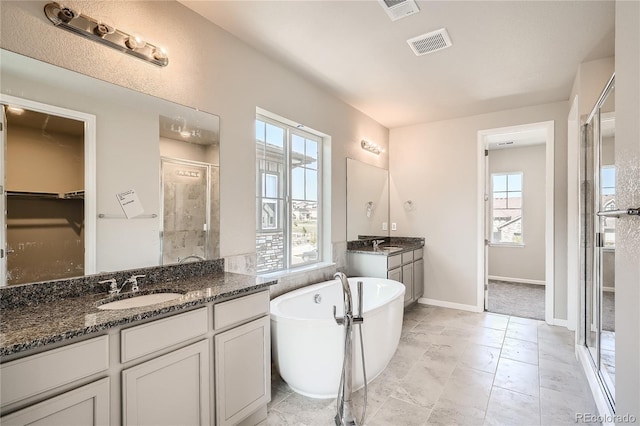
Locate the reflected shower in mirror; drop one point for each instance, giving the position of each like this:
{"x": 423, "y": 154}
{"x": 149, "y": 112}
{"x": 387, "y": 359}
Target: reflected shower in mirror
{"x": 189, "y": 183}
{"x": 367, "y": 200}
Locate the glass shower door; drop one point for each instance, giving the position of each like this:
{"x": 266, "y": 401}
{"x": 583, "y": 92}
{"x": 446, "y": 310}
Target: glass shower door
{"x": 606, "y": 240}
{"x": 185, "y": 210}
{"x": 598, "y": 203}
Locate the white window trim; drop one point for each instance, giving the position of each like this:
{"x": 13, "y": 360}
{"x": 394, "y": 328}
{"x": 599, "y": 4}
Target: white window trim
{"x": 323, "y": 140}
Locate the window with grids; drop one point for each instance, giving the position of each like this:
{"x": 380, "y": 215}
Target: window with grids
{"x": 506, "y": 208}
{"x": 288, "y": 188}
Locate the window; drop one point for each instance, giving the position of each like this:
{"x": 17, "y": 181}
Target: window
{"x": 506, "y": 208}
{"x": 288, "y": 190}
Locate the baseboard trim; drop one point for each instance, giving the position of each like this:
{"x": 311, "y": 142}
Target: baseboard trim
{"x": 516, "y": 280}
{"x": 598, "y": 393}
{"x": 445, "y": 304}
{"x": 560, "y": 322}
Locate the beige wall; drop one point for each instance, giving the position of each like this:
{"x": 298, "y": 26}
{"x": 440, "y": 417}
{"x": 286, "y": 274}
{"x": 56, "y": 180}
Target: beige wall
{"x": 211, "y": 70}
{"x": 435, "y": 165}
{"x": 526, "y": 262}
{"x": 628, "y": 229}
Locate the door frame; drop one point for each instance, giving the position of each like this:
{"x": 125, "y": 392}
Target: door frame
{"x": 482, "y": 255}
{"x": 90, "y": 192}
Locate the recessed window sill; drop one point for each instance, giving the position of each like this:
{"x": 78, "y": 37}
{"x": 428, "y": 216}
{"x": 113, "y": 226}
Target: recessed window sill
{"x": 294, "y": 271}
{"x": 506, "y": 245}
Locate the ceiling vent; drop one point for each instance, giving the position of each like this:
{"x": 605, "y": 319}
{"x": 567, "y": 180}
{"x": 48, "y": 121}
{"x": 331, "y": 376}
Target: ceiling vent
{"x": 430, "y": 42}
{"x": 397, "y": 9}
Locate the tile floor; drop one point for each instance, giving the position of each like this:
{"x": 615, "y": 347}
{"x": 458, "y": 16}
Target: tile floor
{"x": 457, "y": 367}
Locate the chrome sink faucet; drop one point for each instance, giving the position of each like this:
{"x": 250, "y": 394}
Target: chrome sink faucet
{"x": 114, "y": 289}
{"x": 376, "y": 244}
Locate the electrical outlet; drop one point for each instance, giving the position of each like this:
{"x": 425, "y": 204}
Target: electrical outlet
{"x": 394, "y": 226}
{"x": 385, "y": 226}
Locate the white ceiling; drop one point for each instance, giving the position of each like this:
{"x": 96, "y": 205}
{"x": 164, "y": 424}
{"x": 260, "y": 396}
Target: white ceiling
{"x": 505, "y": 54}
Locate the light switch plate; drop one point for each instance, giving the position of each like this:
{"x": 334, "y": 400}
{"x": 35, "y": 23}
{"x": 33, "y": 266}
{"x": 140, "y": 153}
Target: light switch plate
{"x": 394, "y": 226}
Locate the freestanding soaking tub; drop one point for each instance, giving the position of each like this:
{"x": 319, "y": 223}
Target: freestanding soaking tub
{"x": 308, "y": 345}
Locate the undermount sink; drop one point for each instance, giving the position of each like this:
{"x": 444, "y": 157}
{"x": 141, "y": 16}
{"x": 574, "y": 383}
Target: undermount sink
{"x": 390, "y": 248}
{"x": 139, "y": 301}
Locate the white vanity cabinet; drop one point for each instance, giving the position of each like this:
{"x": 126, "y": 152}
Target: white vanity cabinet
{"x": 85, "y": 406}
{"x": 174, "y": 388}
{"x": 42, "y": 374}
{"x": 156, "y": 373}
{"x": 242, "y": 357}
{"x": 406, "y": 267}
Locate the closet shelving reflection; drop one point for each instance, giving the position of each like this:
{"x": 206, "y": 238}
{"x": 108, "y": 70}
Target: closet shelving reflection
{"x": 72, "y": 195}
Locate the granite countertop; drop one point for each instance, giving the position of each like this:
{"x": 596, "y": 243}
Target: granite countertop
{"x": 33, "y": 326}
{"x": 390, "y": 246}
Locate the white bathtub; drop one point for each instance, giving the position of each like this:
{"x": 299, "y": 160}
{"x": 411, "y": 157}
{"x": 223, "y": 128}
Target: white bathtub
{"x": 308, "y": 345}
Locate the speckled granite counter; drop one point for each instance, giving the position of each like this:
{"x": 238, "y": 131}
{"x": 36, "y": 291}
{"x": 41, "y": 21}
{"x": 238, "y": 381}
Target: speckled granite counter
{"x": 26, "y": 325}
{"x": 390, "y": 246}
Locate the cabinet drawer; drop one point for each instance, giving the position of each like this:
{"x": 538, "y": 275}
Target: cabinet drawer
{"x": 407, "y": 257}
{"x": 394, "y": 261}
{"x": 87, "y": 405}
{"x": 417, "y": 254}
{"x": 157, "y": 335}
{"x": 238, "y": 310}
{"x": 32, "y": 375}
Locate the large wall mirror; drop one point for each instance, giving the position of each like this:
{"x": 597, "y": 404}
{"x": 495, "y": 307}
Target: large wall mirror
{"x": 367, "y": 200}
{"x": 99, "y": 178}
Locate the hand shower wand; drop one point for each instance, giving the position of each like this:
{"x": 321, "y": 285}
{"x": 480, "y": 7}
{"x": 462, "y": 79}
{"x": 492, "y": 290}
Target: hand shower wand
{"x": 345, "y": 416}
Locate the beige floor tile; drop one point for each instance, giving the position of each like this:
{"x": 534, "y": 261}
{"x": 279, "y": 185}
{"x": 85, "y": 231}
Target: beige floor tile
{"x": 397, "y": 412}
{"x": 468, "y": 388}
{"x": 512, "y": 408}
{"x": 561, "y": 408}
{"x": 480, "y": 357}
{"x": 528, "y": 332}
{"x": 448, "y": 412}
{"x": 520, "y": 350}
{"x": 517, "y": 376}
{"x": 300, "y": 410}
{"x": 563, "y": 377}
{"x": 425, "y": 383}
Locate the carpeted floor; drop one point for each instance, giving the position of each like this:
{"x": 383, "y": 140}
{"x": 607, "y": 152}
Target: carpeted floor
{"x": 521, "y": 300}
{"x": 527, "y": 301}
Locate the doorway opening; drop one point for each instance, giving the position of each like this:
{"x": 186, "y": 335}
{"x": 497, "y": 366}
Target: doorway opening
{"x": 515, "y": 239}
{"x": 47, "y": 162}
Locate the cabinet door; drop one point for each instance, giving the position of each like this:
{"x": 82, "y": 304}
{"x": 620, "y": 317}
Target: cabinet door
{"x": 84, "y": 406}
{"x": 173, "y": 389}
{"x": 407, "y": 280}
{"x": 243, "y": 372}
{"x": 418, "y": 278}
{"x": 395, "y": 274}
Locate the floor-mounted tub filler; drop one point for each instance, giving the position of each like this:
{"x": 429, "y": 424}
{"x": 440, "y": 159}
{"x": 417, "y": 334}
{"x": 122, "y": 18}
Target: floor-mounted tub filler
{"x": 309, "y": 346}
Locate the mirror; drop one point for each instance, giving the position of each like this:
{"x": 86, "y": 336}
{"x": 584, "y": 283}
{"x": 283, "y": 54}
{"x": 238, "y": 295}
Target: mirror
{"x": 134, "y": 135}
{"x": 367, "y": 200}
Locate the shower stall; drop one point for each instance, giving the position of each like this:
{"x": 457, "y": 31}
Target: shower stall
{"x": 599, "y": 213}
{"x": 189, "y": 209}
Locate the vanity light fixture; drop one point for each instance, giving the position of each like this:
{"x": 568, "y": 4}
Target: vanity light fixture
{"x": 104, "y": 33}
{"x": 370, "y": 146}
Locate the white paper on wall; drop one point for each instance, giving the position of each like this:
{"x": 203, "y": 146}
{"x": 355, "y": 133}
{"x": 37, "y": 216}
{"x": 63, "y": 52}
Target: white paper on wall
{"x": 130, "y": 203}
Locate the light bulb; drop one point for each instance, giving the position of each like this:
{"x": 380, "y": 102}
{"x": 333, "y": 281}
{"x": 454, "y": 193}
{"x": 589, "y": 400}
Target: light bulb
{"x": 135, "y": 42}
